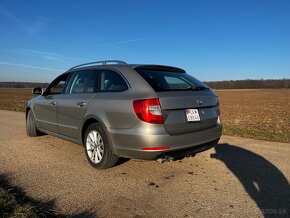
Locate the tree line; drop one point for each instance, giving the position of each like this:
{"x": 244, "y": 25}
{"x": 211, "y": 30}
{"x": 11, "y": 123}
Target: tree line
{"x": 22, "y": 85}
{"x": 227, "y": 84}
{"x": 250, "y": 84}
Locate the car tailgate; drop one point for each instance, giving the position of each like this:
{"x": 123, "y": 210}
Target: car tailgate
{"x": 175, "y": 104}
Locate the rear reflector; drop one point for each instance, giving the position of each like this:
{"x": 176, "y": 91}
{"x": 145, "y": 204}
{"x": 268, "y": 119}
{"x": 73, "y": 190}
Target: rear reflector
{"x": 156, "y": 148}
{"x": 148, "y": 110}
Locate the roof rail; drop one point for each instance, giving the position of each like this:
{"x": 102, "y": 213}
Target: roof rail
{"x": 106, "y": 62}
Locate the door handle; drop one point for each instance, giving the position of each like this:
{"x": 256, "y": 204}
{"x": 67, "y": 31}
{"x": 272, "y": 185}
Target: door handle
{"x": 53, "y": 103}
{"x": 81, "y": 104}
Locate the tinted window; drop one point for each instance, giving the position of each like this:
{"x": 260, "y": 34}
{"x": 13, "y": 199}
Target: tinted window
{"x": 176, "y": 83}
{"x": 57, "y": 86}
{"x": 111, "y": 81}
{"x": 83, "y": 82}
{"x": 162, "y": 81}
{"x": 92, "y": 83}
{"x": 78, "y": 83}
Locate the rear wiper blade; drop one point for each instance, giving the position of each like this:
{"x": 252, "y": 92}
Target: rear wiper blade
{"x": 198, "y": 88}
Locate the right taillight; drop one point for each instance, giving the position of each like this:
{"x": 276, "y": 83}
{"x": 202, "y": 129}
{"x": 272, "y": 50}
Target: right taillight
{"x": 148, "y": 110}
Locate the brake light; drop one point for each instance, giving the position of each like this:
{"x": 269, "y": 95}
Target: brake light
{"x": 218, "y": 111}
{"x": 148, "y": 110}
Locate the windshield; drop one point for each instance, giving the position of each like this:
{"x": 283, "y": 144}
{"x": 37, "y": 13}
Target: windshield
{"x": 162, "y": 81}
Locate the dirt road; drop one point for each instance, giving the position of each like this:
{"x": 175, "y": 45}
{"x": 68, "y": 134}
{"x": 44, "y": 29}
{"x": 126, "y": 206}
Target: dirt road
{"x": 240, "y": 177}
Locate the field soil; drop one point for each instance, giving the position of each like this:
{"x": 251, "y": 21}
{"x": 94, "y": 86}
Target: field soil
{"x": 256, "y": 113}
{"x": 252, "y": 113}
{"x": 240, "y": 177}
{"x": 15, "y": 99}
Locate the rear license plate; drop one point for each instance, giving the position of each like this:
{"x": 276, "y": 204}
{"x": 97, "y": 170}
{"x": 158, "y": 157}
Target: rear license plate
{"x": 192, "y": 115}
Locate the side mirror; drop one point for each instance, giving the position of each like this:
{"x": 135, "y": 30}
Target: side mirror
{"x": 37, "y": 91}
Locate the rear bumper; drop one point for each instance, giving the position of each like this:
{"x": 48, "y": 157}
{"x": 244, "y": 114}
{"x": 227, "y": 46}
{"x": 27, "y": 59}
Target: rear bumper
{"x": 129, "y": 142}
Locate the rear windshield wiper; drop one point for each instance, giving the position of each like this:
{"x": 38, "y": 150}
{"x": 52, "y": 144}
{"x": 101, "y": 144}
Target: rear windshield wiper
{"x": 198, "y": 88}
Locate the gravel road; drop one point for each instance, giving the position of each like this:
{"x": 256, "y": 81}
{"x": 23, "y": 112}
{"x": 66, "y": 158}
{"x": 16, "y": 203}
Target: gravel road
{"x": 239, "y": 177}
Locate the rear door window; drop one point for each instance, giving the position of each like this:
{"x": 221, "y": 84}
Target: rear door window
{"x": 83, "y": 82}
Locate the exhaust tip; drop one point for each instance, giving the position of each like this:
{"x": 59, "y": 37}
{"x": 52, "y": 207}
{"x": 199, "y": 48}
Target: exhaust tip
{"x": 165, "y": 159}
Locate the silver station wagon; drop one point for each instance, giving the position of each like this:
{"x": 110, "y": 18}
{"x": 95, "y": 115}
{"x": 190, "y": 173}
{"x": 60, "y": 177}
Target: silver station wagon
{"x": 118, "y": 110}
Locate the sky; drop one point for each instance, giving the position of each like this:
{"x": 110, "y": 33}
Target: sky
{"x": 211, "y": 39}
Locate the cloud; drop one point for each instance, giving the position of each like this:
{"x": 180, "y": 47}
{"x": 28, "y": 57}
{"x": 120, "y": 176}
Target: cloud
{"x": 39, "y": 52}
{"x": 130, "y": 40}
{"x": 10, "y": 16}
{"x": 31, "y": 66}
{"x": 121, "y": 42}
{"x": 39, "y": 24}
{"x": 51, "y": 56}
{"x": 31, "y": 28}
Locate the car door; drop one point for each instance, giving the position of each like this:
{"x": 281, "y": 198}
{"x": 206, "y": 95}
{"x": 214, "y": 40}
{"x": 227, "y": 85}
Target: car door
{"x": 45, "y": 105}
{"x": 72, "y": 104}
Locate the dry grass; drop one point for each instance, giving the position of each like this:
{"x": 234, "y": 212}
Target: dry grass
{"x": 14, "y": 203}
{"x": 14, "y": 99}
{"x": 261, "y": 114}
{"x": 256, "y": 113}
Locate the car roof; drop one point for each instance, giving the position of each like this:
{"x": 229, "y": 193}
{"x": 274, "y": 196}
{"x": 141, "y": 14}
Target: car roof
{"x": 112, "y": 64}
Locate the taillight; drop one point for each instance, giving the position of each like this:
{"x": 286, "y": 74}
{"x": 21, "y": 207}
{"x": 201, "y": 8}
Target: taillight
{"x": 218, "y": 111}
{"x": 148, "y": 110}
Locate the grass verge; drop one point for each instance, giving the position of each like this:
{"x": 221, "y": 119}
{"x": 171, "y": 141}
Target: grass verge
{"x": 256, "y": 134}
{"x": 14, "y": 202}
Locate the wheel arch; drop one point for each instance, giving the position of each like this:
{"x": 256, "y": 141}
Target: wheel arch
{"x": 87, "y": 122}
{"x": 26, "y": 111}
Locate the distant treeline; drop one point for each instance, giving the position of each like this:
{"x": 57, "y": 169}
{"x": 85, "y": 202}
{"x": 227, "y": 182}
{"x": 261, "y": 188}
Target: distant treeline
{"x": 22, "y": 85}
{"x": 229, "y": 84}
{"x": 250, "y": 84}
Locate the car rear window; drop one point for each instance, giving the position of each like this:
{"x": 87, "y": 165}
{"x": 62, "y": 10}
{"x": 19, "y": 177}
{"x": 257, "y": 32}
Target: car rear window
{"x": 164, "y": 81}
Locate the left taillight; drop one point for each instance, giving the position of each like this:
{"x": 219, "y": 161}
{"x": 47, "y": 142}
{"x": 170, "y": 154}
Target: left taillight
{"x": 218, "y": 111}
{"x": 148, "y": 110}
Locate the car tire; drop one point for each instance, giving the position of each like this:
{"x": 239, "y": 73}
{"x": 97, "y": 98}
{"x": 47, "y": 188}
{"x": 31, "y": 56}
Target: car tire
{"x": 97, "y": 147}
{"x": 31, "y": 128}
